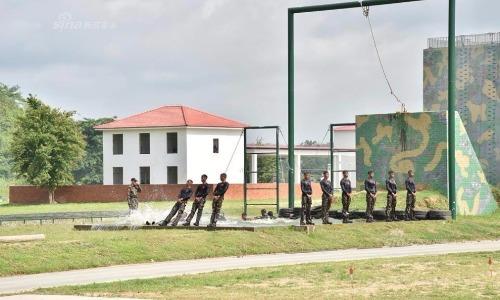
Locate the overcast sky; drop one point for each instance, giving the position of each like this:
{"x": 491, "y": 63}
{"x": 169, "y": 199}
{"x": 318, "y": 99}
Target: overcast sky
{"x": 116, "y": 58}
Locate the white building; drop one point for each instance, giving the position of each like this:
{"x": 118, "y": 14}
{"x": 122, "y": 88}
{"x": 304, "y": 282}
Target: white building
{"x": 171, "y": 144}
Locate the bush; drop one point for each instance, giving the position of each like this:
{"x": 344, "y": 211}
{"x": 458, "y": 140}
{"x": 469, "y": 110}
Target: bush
{"x": 496, "y": 193}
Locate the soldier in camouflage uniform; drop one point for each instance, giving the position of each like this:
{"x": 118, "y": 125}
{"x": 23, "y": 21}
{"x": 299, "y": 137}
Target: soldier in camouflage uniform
{"x": 306, "y": 201}
{"x": 180, "y": 205}
{"x": 326, "y": 197}
{"x": 200, "y": 196}
{"x": 345, "y": 185}
{"x": 219, "y": 192}
{"x": 371, "y": 196}
{"x": 132, "y": 196}
{"x": 411, "y": 195}
{"x": 390, "y": 209}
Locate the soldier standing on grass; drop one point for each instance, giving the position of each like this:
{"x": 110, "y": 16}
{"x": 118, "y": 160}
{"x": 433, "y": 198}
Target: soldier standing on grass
{"x": 180, "y": 205}
{"x": 219, "y": 192}
{"x": 200, "y": 196}
{"x": 345, "y": 185}
{"x": 411, "y": 194}
{"x": 326, "y": 197}
{"x": 392, "y": 189}
{"x": 132, "y": 197}
{"x": 371, "y": 196}
{"x": 306, "y": 200}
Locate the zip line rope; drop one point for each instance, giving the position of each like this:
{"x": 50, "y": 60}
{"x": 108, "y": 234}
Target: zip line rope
{"x": 234, "y": 151}
{"x": 366, "y": 13}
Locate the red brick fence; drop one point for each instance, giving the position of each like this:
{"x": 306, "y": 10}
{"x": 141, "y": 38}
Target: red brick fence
{"x": 26, "y": 194}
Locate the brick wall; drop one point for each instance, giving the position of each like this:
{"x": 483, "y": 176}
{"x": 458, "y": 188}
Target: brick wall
{"x": 154, "y": 192}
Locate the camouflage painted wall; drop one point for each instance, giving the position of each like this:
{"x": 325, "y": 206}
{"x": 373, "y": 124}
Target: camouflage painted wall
{"x": 379, "y": 147}
{"x": 478, "y": 96}
{"x": 474, "y": 195}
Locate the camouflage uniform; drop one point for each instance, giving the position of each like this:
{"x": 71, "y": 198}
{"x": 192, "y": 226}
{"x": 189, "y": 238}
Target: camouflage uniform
{"x": 201, "y": 193}
{"x": 410, "y": 198}
{"x": 220, "y": 190}
{"x": 179, "y": 207}
{"x": 345, "y": 185}
{"x": 390, "y": 209}
{"x": 306, "y": 188}
{"x": 326, "y": 199}
{"x": 370, "y": 188}
{"x": 132, "y": 197}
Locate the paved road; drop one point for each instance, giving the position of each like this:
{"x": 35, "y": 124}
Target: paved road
{"x": 16, "y": 284}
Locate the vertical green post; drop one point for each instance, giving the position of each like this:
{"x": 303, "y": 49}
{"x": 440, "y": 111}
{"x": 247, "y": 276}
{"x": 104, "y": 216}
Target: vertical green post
{"x": 277, "y": 166}
{"x": 331, "y": 152}
{"x": 451, "y": 109}
{"x": 245, "y": 170}
{"x": 291, "y": 115}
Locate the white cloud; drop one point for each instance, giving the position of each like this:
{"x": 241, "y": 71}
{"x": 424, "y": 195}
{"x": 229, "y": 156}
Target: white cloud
{"x": 227, "y": 57}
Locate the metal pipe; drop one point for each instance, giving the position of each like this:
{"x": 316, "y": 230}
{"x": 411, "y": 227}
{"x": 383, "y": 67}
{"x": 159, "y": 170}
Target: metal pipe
{"x": 451, "y": 109}
{"x": 277, "y": 171}
{"x": 245, "y": 168}
{"x": 331, "y": 152}
{"x": 291, "y": 114}
{"x": 344, "y": 5}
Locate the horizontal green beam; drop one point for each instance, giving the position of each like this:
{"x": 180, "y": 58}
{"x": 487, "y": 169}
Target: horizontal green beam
{"x": 353, "y": 4}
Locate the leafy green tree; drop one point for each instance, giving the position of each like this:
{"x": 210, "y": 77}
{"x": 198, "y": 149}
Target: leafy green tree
{"x": 47, "y": 146}
{"x": 11, "y": 103}
{"x": 90, "y": 170}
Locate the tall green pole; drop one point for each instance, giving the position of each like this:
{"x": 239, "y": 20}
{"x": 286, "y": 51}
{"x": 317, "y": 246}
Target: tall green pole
{"x": 291, "y": 115}
{"x": 451, "y": 109}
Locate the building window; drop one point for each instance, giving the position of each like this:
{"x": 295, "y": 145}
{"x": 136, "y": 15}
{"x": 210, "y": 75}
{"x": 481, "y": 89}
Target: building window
{"x": 117, "y": 175}
{"x": 172, "y": 142}
{"x": 144, "y": 143}
{"x": 145, "y": 173}
{"x": 117, "y": 144}
{"x": 215, "y": 145}
{"x": 172, "y": 175}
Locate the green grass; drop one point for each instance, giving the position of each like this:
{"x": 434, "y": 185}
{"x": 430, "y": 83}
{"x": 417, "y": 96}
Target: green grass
{"x": 456, "y": 276}
{"x": 66, "y": 249}
{"x": 425, "y": 200}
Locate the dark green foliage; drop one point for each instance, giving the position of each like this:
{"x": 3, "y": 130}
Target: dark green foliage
{"x": 496, "y": 193}
{"x": 10, "y": 107}
{"x": 90, "y": 170}
{"x": 47, "y": 146}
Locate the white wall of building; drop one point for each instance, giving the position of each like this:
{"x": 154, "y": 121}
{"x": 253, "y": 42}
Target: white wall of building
{"x": 131, "y": 160}
{"x": 344, "y": 139}
{"x": 194, "y": 156}
{"x": 202, "y": 160}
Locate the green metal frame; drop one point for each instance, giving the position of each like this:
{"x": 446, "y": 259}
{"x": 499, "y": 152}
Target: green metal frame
{"x": 246, "y": 171}
{"x": 451, "y": 89}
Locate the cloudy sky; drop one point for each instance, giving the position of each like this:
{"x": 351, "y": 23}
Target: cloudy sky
{"x": 115, "y": 58}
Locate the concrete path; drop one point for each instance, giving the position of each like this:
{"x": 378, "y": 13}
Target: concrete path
{"x": 58, "y": 297}
{"x": 21, "y": 283}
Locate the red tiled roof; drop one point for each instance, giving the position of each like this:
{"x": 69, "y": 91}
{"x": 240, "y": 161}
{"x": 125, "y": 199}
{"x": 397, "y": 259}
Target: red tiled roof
{"x": 172, "y": 116}
{"x": 345, "y": 128}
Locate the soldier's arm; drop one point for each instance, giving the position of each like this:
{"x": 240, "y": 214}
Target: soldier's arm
{"x": 322, "y": 184}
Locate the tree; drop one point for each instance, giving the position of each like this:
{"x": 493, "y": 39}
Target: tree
{"x": 47, "y": 146}
{"x": 11, "y": 103}
{"x": 90, "y": 170}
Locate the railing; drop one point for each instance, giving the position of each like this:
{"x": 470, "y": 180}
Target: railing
{"x": 466, "y": 40}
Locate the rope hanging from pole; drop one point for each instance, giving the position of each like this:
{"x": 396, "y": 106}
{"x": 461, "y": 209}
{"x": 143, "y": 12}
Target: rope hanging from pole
{"x": 234, "y": 151}
{"x": 366, "y": 13}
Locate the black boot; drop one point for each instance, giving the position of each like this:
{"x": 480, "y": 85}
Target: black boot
{"x": 346, "y": 221}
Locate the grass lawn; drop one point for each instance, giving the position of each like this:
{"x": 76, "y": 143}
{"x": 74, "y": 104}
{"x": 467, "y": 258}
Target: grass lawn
{"x": 66, "y": 249}
{"x": 425, "y": 200}
{"x": 456, "y": 276}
